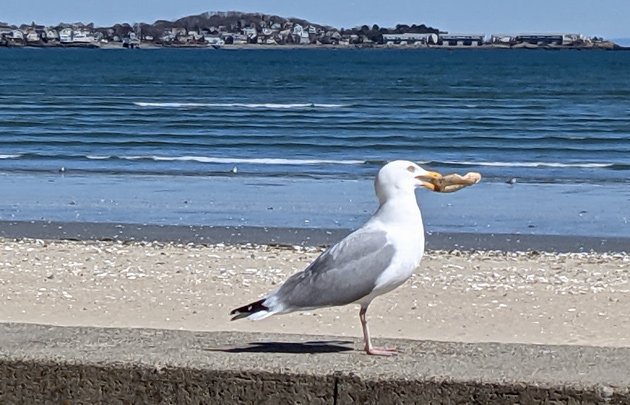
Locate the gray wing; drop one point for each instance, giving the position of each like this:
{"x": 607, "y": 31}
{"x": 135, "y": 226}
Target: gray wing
{"x": 341, "y": 275}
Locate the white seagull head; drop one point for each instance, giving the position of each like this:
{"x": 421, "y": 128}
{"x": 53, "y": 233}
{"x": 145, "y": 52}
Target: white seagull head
{"x": 401, "y": 177}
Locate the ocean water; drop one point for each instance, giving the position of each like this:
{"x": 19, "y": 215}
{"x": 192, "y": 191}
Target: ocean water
{"x": 304, "y": 125}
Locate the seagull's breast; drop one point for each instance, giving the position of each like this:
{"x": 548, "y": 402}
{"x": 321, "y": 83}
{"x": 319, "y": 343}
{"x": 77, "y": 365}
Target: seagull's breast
{"x": 408, "y": 243}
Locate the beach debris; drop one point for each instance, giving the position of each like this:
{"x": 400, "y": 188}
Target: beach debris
{"x": 454, "y": 182}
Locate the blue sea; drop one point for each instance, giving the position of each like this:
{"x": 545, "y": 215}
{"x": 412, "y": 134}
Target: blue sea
{"x": 294, "y": 137}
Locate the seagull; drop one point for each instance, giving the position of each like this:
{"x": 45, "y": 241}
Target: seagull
{"x": 371, "y": 261}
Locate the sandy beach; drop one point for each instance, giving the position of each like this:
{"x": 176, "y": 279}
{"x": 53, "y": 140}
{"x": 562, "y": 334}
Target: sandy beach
{"x": 468, "y": 296}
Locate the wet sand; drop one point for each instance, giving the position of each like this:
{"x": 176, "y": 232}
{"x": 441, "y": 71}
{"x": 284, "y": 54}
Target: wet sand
{"x": 468, "y": 296}
{"x": 238, "y": 235}
{"x": 560, "y": 209}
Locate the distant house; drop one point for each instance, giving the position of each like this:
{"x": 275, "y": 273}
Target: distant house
{"x": 214, "y": 40}
{"x": 250, "y": 32}
{"x": 167, "y": 37}
{"x": 300, "y": 35}
{"x": 82, "y": 37}
{"x": 572, "y": 39}
{"x": 178, "y": 32}
{"x": 132, "y": 41}
{"x": 65, "y": 36}
{"x": 32, "y": 36}
{"x": 267, "y": 36}
{"x": 5, "y": 29}
{"x": 236, "y": 39}
{"x": 267, "y": 40}
{"x": 52, "y": 34}
{"x": 194, "y": 35}
{"x": 461, "y": 40}
{"x": 16, "y": 35}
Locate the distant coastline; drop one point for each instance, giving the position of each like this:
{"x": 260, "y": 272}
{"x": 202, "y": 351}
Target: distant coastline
{"x": 151, "y": 45}
{"x": 260, "y": 31}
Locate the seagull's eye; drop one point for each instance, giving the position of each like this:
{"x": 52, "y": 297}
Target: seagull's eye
{"x": 411, "y": 169}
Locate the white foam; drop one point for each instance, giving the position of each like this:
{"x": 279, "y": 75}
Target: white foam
{"x": 532, "y": 164}
{"x": 240, "y": 105}
{"x": 93, "y": 157}
{"x": 259, "y": 161}
{"x": 9, "y": 156}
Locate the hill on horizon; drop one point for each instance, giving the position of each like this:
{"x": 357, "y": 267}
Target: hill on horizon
{"x": 239, "y": 19}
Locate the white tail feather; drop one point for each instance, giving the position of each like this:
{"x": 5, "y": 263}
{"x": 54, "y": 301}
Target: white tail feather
{"x": 256, "y": 316}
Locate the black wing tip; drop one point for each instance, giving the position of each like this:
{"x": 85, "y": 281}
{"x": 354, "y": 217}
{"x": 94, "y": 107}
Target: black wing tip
{"x": 246, "y": 310}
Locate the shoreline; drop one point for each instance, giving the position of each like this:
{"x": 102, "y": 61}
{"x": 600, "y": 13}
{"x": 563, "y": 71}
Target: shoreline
{"x": 289, "y": 236}
{"x": 153, "y": 46}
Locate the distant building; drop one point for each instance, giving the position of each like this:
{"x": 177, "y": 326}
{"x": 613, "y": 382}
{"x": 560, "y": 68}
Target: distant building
{"x": 300, "y": 35}
{"x": 194, "y": 35}
{"x": 409, "y": 39}
{"x": 52, "y": 34}
{"x": 32, "y": 36}
{"x": 250, "y": 32}
{"x": 17, "y": 35}
{"x": 82, "y": 37}
{"x": 461, "y": 40}
{"x": 5, "y": 29}
{"x": 65, "y": 35}
{"x": 502, "y": 39}
{"x": 235, "y": 39}
{"x": 214, "y": 40}
{"x": 539, "y": 39}
{"x": 572, "y": 39}
{"x": 132, "y": 41}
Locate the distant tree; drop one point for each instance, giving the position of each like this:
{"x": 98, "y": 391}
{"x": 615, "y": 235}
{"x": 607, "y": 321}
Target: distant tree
{"x": 375, "y": 35}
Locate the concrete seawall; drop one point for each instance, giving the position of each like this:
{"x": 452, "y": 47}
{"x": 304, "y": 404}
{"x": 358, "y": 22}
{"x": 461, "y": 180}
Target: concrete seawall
{"x": 68, "y": 365}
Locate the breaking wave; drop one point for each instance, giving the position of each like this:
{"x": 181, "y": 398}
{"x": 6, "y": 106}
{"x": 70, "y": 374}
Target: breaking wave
{"x": 531, "y": 164}
{"x": 269, "y": 106}
{"x": 259, "y": 161}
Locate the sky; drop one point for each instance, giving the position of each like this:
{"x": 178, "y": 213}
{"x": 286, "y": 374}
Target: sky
{"x": 607, "y": 18}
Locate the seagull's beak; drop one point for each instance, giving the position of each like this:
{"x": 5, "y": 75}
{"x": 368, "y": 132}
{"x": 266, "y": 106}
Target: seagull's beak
{"x": 428, "y": 180}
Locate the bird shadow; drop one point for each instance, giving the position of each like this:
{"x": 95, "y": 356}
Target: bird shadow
{"x": 326, "y": 346}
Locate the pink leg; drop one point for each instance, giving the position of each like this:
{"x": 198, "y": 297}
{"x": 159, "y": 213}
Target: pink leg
{"x": 369, "y": 349}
